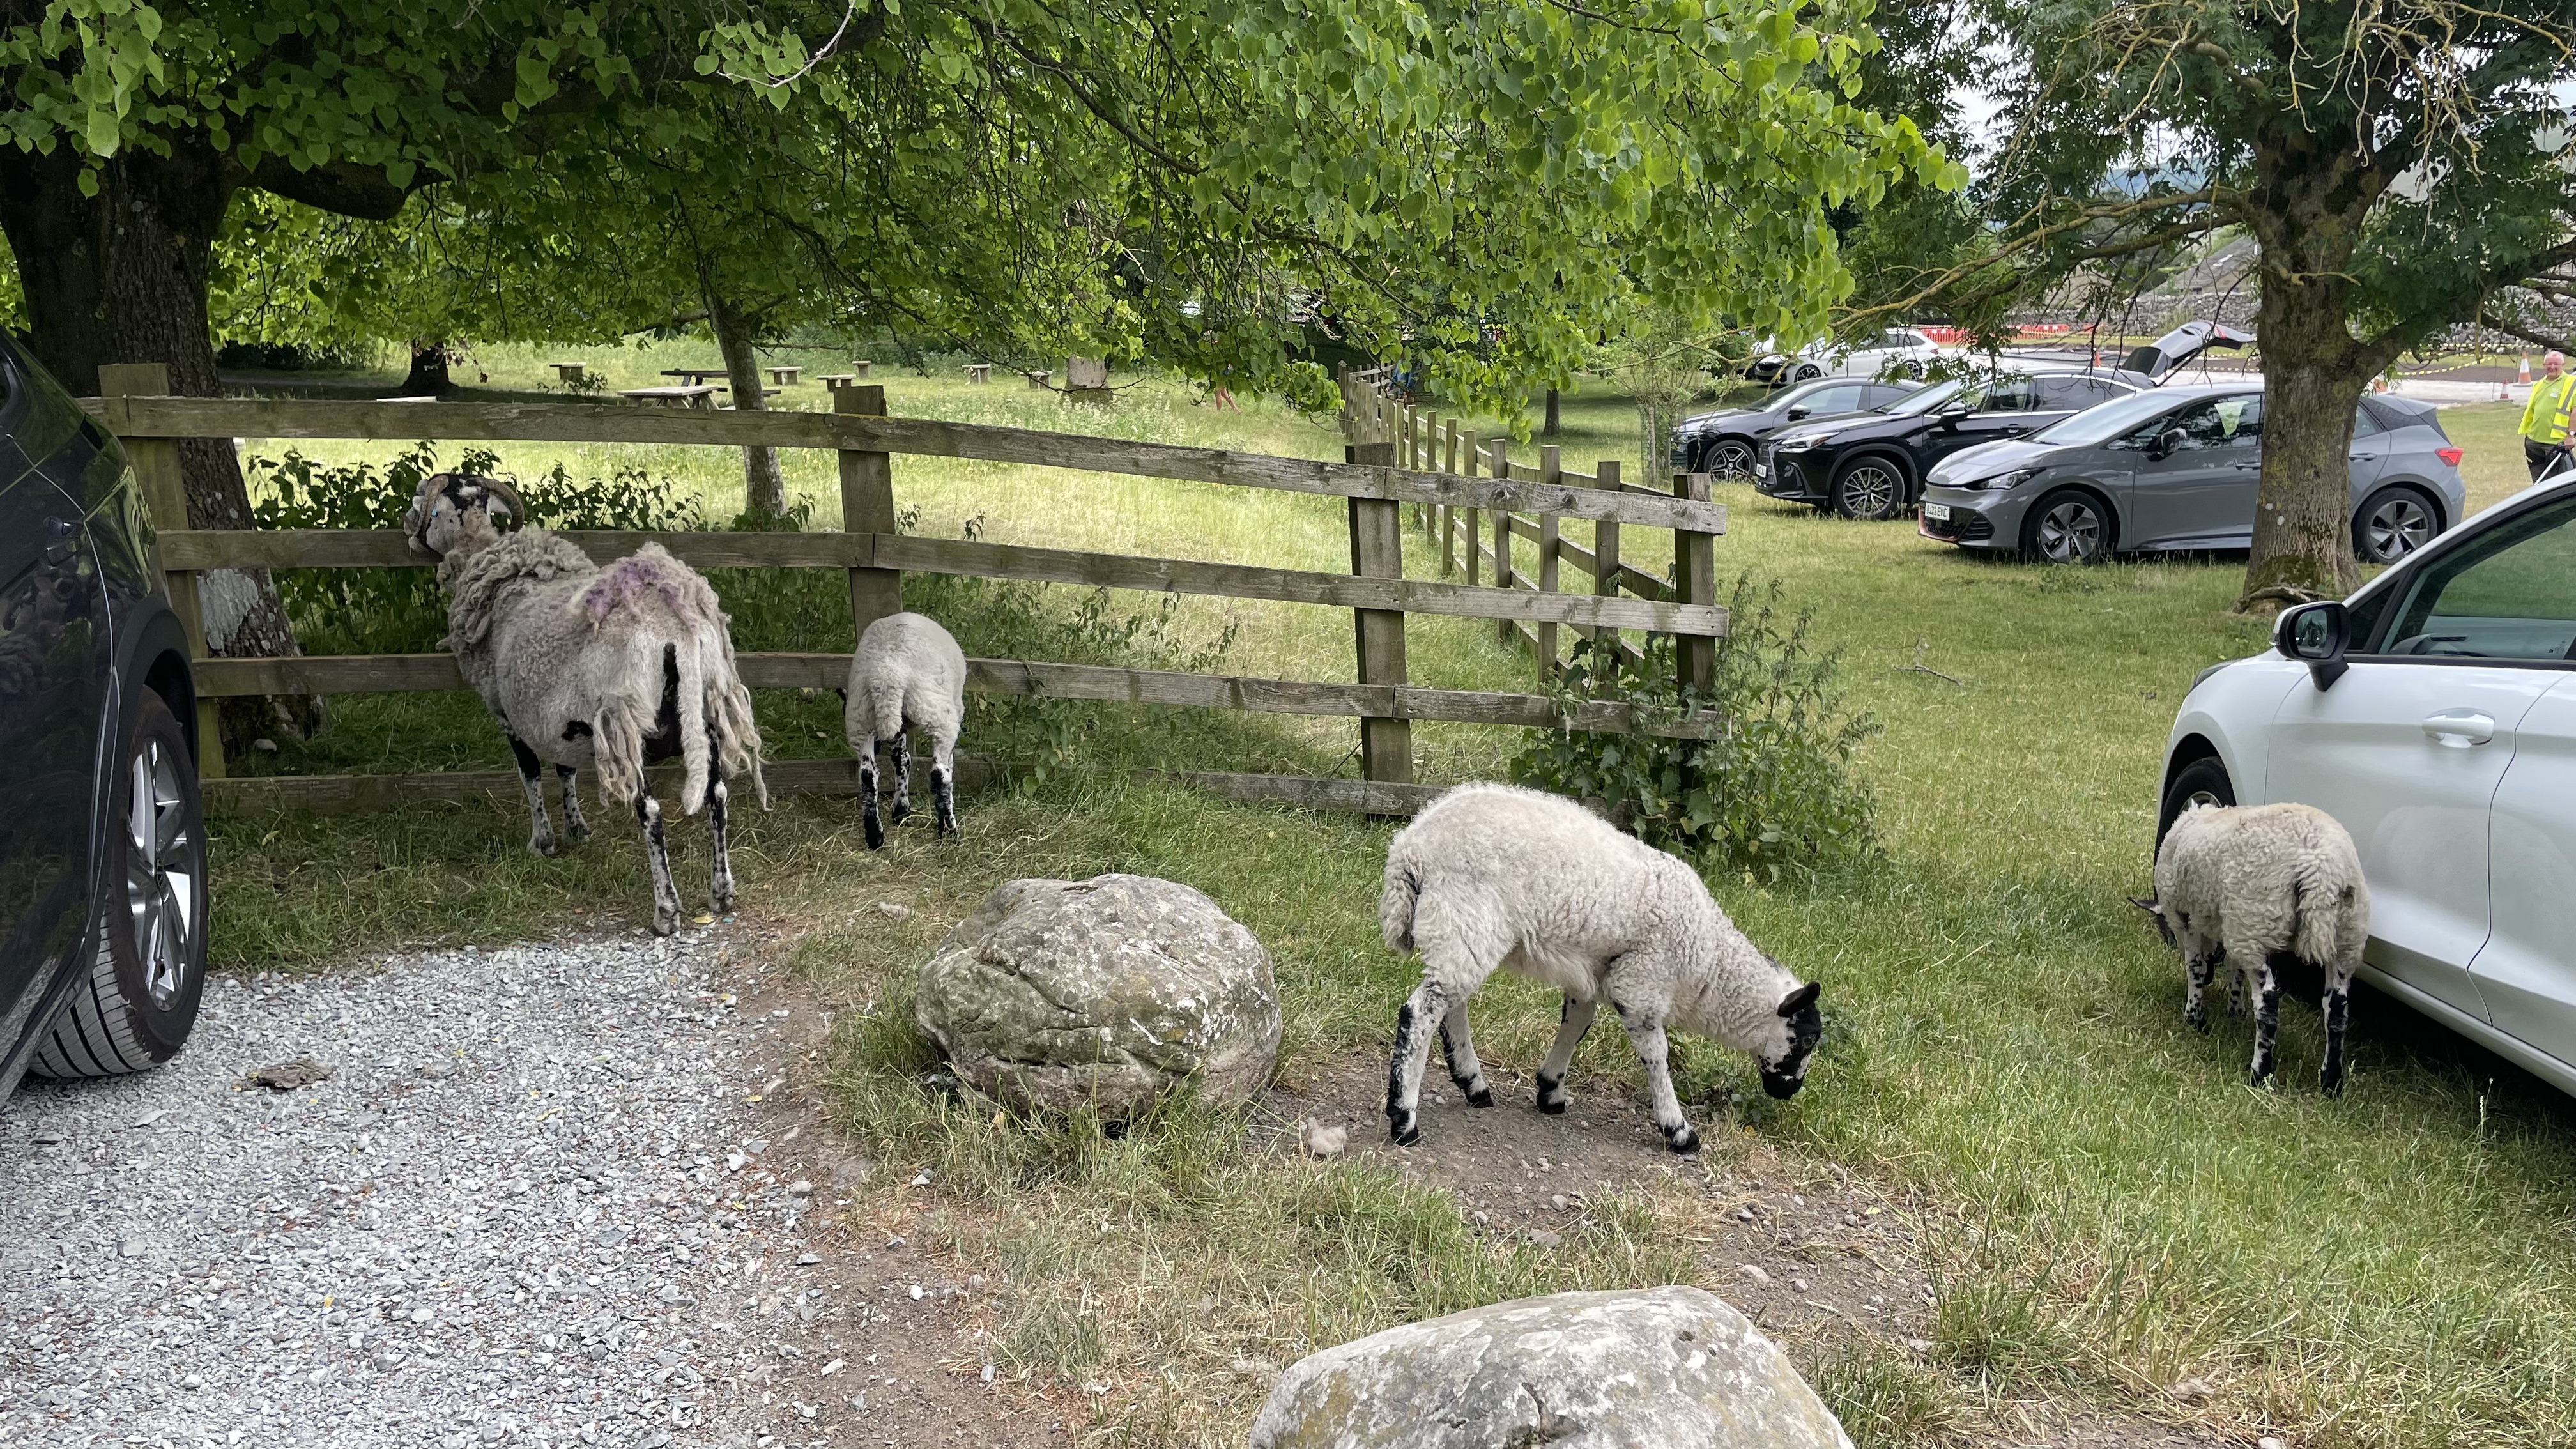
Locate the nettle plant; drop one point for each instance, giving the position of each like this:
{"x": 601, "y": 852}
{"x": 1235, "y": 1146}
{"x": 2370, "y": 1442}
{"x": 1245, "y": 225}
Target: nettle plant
{"x": 1775, "y": 790}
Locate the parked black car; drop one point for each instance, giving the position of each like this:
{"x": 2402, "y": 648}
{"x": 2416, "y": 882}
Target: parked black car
{"x": 102, "y": 839}
{"x": 1728, "y": 442}
{"x": 1873, "y": 465}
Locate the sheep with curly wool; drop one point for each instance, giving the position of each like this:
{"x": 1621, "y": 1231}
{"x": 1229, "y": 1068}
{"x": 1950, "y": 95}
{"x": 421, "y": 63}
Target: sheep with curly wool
{"x": 1494, "y": 876}
{"x": 2245, "y": 885}
{"x": 615, "y": 667}
{"x": 908, "y": 674}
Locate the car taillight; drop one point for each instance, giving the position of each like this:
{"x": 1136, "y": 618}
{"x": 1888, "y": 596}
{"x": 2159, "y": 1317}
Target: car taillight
{"x": 2450, "y": 456}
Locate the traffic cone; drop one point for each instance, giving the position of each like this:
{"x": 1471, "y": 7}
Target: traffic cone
{"x": 2525, "y": 379}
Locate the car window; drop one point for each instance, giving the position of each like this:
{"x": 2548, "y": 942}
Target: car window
{"x": 2056, "y": 393}
{"x": 2509, "y": 594}
{"x": 1835, "y": 399}
{"x": 2001, "y": 395}
{"x": 1929, "y": 400}
{"x": 1880, "y": 395}
{"x": 2363, "y": 424}
{"x": 2220, "y": 422}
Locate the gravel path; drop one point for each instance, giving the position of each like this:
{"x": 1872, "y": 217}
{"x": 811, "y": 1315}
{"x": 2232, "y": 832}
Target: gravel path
{"x": 513, "y": 1215}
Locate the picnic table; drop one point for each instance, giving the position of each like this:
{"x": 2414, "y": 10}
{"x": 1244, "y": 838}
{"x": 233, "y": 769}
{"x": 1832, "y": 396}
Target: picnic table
{"x": 1038, "y": 380}
{"x": 696, "y": 395}
{"x": 859, "y": 367}
{"x": 695, "y": 376}
{"x": 569, "y": 371}
{"x": 979, "y": 372}
{"x": 785, "y": 376}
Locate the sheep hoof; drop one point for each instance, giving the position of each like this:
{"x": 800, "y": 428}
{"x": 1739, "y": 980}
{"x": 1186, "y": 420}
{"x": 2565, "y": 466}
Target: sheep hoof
{"x": 2259, "y": 1080}
{"x": 2330, "y": 1083}
{"x": 544, "y": 847}
{"x": 876, "y": 836}
{"x": 579, "y": 833}
{"x": 1480, "y": 1097}
{"x": 900, "y": 813}
{"x": 2197, "y": 1021}
{"x": 1684, "y": 1142}
{"x": 1404, "y": 1134}
{"x": 1553, "y": 1106}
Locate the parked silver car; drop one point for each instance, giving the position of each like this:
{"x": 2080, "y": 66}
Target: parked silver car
{"x": 2177, "y": 468}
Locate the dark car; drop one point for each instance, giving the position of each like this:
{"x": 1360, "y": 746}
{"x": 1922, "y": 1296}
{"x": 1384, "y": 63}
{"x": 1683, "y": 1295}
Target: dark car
{"x": 102, "y": 840}
{"x": 1728, "y": 442}
{"x": 1873, "y": 465}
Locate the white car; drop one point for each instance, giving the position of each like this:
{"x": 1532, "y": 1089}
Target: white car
{"x": 2434, "y": 714}
{"x": 1897, "y": 352}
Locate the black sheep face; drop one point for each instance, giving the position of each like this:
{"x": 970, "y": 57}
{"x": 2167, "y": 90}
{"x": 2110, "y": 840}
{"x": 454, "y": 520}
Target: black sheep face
{"x": 1783, "y": 1074}
{"x": 453, "y": 507}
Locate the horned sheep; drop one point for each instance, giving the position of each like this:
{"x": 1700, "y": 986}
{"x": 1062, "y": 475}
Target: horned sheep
{"x": 612, "y": 667}
{"x": 908, "y": 674}
{"x": 2245, "y": 885}
{"x": 1495, "y": 876}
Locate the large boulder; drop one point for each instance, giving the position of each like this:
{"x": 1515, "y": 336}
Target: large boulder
{"x": 1661, "y": 1368}
{"x": 1112, "y": 991}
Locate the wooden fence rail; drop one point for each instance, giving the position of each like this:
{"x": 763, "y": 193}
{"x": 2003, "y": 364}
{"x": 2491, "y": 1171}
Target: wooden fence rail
{"x": 1377, "y": 479}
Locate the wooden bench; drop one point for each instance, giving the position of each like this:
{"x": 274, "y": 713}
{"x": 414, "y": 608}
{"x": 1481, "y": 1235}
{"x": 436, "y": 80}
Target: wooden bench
{"x": 696, "y": 395}
{"x": 784, "y": 376}
{"x": 1037, "y": 380}
{"x": 978, "y": 372}
{"x": 859, "y": 367}
{"x": 569, "y": 371}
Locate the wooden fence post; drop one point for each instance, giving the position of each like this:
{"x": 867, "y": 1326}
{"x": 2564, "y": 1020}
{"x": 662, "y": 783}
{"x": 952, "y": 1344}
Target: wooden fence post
{"x": 1503, "y": 530}
{"x": 867, "y": 506}
{"x": 1606, "y": 642}
{"x": 1449, "y": 511}
{"x": 1472, "y": 521}
{"x": 1550, "y": 470}
{"x": 1694, "y": 582}
{"x": 1377, "y": 552}
{"x": 165, "y": 496}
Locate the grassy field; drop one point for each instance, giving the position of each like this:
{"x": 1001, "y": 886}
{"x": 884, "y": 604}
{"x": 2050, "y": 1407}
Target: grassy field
{"x": 2110, "y": 1209}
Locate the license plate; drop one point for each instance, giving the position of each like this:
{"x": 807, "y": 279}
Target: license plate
{"x": 1762, "y": 470}
{"x": 1937, "y": 512}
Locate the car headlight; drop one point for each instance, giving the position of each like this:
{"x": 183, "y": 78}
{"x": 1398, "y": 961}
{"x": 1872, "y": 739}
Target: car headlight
{"x": 1797, "y": 445}
{"x": 2002, "y": 481}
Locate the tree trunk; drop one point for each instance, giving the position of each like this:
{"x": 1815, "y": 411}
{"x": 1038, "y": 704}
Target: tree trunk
{"x": 1549, "y": 431}
{"x": 428, "y": 376}
{"x": 121, "y": 277}
{"x": 764, "y": 485}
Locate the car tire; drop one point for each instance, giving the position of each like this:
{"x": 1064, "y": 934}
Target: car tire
{"x": 1807, "y": 372}
{"x": 2203, "y": 781}
{"x": 1913, "y": 368}
{"x": 147, "y": 965}
{"x": 2069, "y": 526}
{"x": 1731, "y": 459}
{"x": 1870, "y": 488}
{"x": 2392, "y": 523}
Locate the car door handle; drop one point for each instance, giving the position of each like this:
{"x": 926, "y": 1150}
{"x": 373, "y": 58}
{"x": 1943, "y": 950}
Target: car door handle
{"x": 2460, "y": 728}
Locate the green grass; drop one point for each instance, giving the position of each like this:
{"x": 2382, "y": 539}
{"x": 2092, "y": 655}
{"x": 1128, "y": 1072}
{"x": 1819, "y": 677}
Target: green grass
{"x": 2114, "y": 1209}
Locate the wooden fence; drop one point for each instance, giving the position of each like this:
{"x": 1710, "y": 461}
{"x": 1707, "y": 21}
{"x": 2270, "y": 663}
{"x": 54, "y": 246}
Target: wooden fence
{"x": 1391, "y": 430}
{"x": 875, "y": 556}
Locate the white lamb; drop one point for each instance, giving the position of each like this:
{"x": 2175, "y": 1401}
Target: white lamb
{"x": 616, "y": 667}
{"x": 2240, "y": 884}
{"x": 1496, "y": 876}
{"x": 908, "y": 674}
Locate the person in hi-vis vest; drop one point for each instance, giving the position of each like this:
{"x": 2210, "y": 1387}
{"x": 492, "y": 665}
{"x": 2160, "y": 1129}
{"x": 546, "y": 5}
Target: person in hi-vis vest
{"x": 2544, "y": 418}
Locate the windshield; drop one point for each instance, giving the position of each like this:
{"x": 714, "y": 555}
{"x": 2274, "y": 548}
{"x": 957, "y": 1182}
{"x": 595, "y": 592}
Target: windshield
{"x": 1928, "y": 400}
{"x": 2111, "y": 419}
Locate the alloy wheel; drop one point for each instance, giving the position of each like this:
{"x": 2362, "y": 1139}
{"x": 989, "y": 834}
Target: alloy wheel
{"x": 2397, "y": 527}
{"x": 1732, "y": 461}
{"x": 1870, "y": 490}
{"x": 164, "y": 862}
{"x": 2070, "y": 532}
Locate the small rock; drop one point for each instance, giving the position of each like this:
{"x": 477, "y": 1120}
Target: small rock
{"x": 287, "y": 1076}
{"x": 1317, "y": 1140}
{"x": 1255, "y": 1368}
{"x": 988, "y": 1373}
{"x": 800, "y": 1188}
{"x": 893, "y": 911}
{"x": 1919, "y": 1345}
{"x": 808, "y": 1260}
{"x": 1800, "y": 1284}
{"x": 264, "y": 745}
{"x": 1756, "y": 1272}
{"x": 2192, "y": 1391}
{"x": 916, "y": 1293}
{"x": 1541, "y": 1237}
{"x": 128, "y": 1248}
{"x": 2270, "y": 1441}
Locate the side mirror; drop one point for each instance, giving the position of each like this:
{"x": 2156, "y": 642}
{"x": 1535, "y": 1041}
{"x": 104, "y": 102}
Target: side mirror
{"x": 2317, "y": 635}
{"x": 1800, "y": 411}
{"x": 2167, "y": 443}
{"x": 1952, "y": 413}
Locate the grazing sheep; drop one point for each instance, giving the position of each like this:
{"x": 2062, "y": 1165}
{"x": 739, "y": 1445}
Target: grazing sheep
{"x": 1496, "y": 876}
{"x": 2241, "y": 884}
{"x": 616, "y": 667}
{"x": 908, "y": 674}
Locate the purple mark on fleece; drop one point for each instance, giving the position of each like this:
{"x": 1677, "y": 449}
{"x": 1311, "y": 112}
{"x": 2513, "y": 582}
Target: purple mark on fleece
{"x": 630, "y": 578}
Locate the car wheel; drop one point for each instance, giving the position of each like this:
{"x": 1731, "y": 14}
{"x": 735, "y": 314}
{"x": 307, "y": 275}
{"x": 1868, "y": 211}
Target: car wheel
{"x": 1731, "y": 460}
{"x": 149, "y": 963}
{"x": 2392, "y": 523}
{"x": 2067, "y": 527}
{"x": 2202, "y": 782}
{"x": 1869, "y": 488}
{"x": 1807, "y": 372}
{"x": 1913, "y": 368}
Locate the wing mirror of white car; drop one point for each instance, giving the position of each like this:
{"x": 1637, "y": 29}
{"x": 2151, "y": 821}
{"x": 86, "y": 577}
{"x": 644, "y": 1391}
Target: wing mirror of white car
{"x": 2315, "y": 634}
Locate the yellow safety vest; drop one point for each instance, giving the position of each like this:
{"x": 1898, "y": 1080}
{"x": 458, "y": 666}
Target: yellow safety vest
{"x": 2545, "y": 417}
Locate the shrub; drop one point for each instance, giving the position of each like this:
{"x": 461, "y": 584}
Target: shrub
{"x": 1775, "y": 789}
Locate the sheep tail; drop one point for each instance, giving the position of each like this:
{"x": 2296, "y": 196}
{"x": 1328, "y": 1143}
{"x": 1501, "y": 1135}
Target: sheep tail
{"x": 2320, "y": 904}
{"x": 1396, "y": 905}
{"x": 617, "y": 754}
{"x": 728, "y": 706}
{"x": 694, "y": 707}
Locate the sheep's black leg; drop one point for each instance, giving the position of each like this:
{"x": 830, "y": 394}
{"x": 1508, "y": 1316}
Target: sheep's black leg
{"x": 1654, "y": 1049}
{"x": 574, "y": 825}
{"x": 902, "y": 750}
{"x": 2267, "y": 1020}
{"x": 541, "y": 834}
{"x": 666, "y": 896}
{"x": 943, "y": 784}
{"x": 868, "y": 796}
{"x": 1574, "y": 1018}
{"x": 720, "y": 883}
{"x": 2195, "y": 1005}
{"x": 2338, "y": 1014}
{"x": 1459, "y": 1050}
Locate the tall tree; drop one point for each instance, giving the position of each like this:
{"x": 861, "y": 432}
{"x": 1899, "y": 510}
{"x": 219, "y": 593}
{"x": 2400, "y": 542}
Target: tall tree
{"x": 2400, "y": 164}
